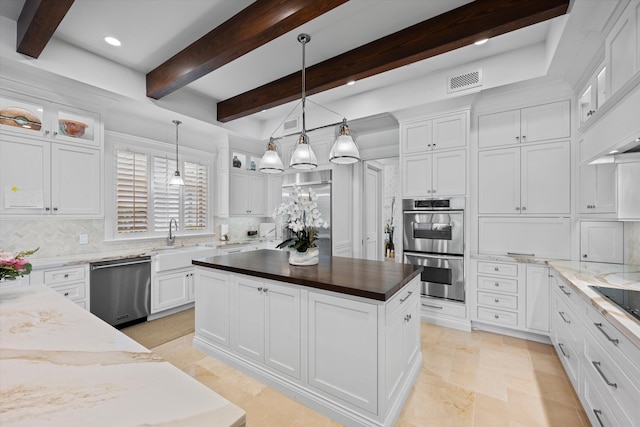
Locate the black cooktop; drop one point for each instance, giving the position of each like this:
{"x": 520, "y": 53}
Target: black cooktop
{"x": 626, "y": 299}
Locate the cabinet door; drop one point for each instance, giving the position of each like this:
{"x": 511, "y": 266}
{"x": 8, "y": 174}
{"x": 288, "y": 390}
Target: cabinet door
{"x": 546, "y": 178}
{"x": 395, "y": 363}
{"x": 537, "y": 298}
{"x": 416, "y": 175}
{"x": 170, "y": 290}
{"x": 247, "y": 318}
{"x": 416, "y": 137}
{"x": 282, "y": 329}
{"x": 222, "y": 194}
{"x": 449, "y": 131}
{"x": 411, "y": 332}
{"x": 24, "y": 176}
{"x": 449, "y": 173}
{"x": 257, "y": 195}
{"x": 587, "y": 180}
{"x": 76, "y": 126}
{"x": 621, "y": 49}
{"x": 606, "y": 188}
{"x": 238, "y": 194}
{"x": 23, "y": 115}
{"x": 75, "y": 180}
{"x": 499, "y": 129}
{"x": 213, "y": 306}
{"x": 602, "y": 241}
{"x": 545, "y": 122}
{"x": 499, "y": 181}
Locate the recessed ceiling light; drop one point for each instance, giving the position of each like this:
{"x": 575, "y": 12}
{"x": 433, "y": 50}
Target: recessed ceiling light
{"x": 351, "y": 82}
{"x": 613, "y": 151}
{"x": 112, "y": 41}
{"x": 479, "y": 42}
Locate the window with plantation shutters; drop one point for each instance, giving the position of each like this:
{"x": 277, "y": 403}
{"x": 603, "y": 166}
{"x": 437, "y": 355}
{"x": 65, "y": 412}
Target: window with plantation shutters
{"x": 166, "y": 198}
{"x": 131, "y": 192}
{"x": 195, "y": 196}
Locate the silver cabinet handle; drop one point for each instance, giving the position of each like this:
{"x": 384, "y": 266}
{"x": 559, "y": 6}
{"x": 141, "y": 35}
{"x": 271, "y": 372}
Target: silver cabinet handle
{"x": 584, "y": 255}
{"x": 609, "y": 383}
{"x": 563, "y": 291}
{"x": 524, "y": 208}
{"x": 517, "y": 208}
{"x": 496, "y": 269}
{"x": 265, "y": 290}
{"x": 599, "y": 326}
{"x": 260, "y": 289}
{"x": 496, "y": 300}
{"x": 66, "y": 294}
{"x": 496, "y": 284}
{"x": 597, "y": 413}
{"x": 517, "y": 138}
{"x": 432, "y": 306}
{"x": 561, "y": 313}
{"x": 561, "y": 346}
{"x": 524, "y": 138}
{"x": 47, "y": 209}
{"x": 407, "y": 318}
{"x": 496, "y": 316}
{"x": 520, "y": 253}
{"x": 406, "y": 298}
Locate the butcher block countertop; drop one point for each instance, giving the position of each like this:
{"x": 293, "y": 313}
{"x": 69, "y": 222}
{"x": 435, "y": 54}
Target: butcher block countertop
{"x": 375, "y": 280}
{"x": 62, "y": 366}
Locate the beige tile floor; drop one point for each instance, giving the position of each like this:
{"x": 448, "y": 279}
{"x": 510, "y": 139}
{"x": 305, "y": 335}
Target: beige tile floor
{"x": 474, "y": 378}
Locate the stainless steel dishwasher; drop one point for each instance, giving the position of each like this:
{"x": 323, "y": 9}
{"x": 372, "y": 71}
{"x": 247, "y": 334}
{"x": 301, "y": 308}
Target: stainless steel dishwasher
{"x": 120, "y": 290}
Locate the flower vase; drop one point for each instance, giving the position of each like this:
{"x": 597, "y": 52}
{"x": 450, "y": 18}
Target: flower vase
{"x": 310, "y": 257}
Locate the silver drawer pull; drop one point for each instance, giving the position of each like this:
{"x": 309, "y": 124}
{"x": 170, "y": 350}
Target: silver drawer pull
{"x": 496, "y": 284}
{"x": 260, "y": 289}
{"x": 496, "y": 316}
{"x": 496, "y": 269}
{"x": 609, "y": 383}
{"x": 561, "y": 346}
{"x": 496, "y": 300}
{"x": 561, "y": 313}
{"x": 563, "y": 291}
{"x": 613, "y": 340}
{"x": 520, "y": 253}
{"x": 406, "y": 298}
{"x": 432, "y": 306}
{"x": 597, "y": 413}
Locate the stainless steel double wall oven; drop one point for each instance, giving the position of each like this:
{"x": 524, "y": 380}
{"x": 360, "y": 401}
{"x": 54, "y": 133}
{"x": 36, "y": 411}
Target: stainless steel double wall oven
{"x": 434, "y": 239}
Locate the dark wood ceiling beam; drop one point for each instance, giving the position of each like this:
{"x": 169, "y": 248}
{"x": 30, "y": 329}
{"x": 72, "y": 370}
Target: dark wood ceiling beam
{"x": 443, "y": 33}
{"x": 257, "y": 24}
{"x": 37, "y": 22}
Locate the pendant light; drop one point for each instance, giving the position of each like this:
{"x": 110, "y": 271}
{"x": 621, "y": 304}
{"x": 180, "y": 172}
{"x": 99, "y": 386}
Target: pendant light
{"x": 344, "y": 150}
{"x": 303, "y": 157}
{"x": 176, "y": 179}
{"x": 270, "y": 162}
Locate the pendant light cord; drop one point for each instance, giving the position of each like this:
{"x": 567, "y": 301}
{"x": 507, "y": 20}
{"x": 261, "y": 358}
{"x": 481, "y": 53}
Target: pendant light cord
{"x": 303, "y": 38}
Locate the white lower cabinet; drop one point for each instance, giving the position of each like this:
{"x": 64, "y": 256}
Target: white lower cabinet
{"x": 213, "y": 306}
{"x": 172, "y": 289}
{"x": 511, "y": 295}
{"x": 265, "y": 323}
{"x": 602, "y": 241}
{"x": 72, "y": 282}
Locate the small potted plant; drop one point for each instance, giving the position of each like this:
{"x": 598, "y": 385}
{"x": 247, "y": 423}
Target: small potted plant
{"x": 13, "y": 267}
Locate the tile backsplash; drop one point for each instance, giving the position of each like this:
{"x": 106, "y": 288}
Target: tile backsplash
{"x": 632, "y": 242}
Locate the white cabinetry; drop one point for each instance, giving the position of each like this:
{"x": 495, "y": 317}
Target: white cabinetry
{"x": 72, "y": 282}
{"x": 602, "y": 241}
{"x": 426, "y": 170}
{"x": 622, "y": 48}
{"x": 265, "y": 323}
{"x": 532, "y": 179}
{"x": 247, "y": 194}
{"x": 51, "y": 179}
{"x": 511, "y": 295}
{"x": 597, "y": 188}
{"x": 533, "y": 124}
{"x": 213, "y": 306}
{"x": 172, "y": 289}
{"x": 594, "y": 94}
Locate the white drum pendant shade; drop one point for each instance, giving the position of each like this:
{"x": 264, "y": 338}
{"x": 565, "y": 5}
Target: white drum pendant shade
{"x": 271, "y": 162}
{"x": 303, "y": 157}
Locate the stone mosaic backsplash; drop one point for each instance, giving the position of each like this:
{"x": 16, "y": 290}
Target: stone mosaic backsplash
{"x": 632, "y": 242}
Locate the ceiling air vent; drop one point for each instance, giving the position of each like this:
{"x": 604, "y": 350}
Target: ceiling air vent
{"x": 291, "y": 125}
{"x": 464, "y": 81}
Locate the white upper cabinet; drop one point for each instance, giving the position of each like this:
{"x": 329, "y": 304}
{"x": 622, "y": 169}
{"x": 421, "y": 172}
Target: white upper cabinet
{"x": 598, "y": 192}
{"x": 602, "y": 241}
{"x": 434, "y": 175}
{"x": 439, "y": 133}
{"x": 594, "y": 94}
{"x": 532, "y": 179}
{"x": 532, "y": 124}
{"x": 247, "y": 194}
{"x": 622, "y": 48}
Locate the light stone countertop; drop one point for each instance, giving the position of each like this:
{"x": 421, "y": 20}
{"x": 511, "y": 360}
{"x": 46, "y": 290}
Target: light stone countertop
{"x": 581, "y": 275}
{"x": 510, "y": 258}
{"x": 61, "y": 365}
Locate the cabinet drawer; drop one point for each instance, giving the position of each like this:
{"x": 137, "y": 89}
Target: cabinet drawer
{"x": 498, "y": 316}
{"x": 498, "y": 284}
{"x": 616, "y": 387}
{"x": 566, "y": 292}
{"x": 401, "y": 298}
{"x": 435, "y": 307}
{"x": 51, "y": 277}
{"x": 597, "y": 409}
{"x": 508, "y": 302}
{"x": 71, "y": 290}
{"x": 568, "y": 348}
{"x": 498, "y": 269}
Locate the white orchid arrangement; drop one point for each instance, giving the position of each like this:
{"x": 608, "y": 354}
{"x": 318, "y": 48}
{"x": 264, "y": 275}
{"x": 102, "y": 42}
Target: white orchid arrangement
{"x": 302, "y": 217}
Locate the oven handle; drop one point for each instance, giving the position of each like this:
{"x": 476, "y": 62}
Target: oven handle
{"x": 434, "y": 211}
{"x": 423, "y": 255}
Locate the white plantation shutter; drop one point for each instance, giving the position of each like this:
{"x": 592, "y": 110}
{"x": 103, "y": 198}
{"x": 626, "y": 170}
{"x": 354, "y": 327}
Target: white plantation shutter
{"x": 195, "y": 196}
{"x": 131, "y": 192}
{"x": 166, "y": 198}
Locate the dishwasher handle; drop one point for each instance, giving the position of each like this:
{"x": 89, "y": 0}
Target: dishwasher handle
{"x": 121, "y": 264}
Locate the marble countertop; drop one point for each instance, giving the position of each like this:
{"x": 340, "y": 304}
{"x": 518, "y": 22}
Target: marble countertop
{"x": 60, "y": 365}
{"x": 581, "y": 275}
{"x": 376, "y": 280}
{"x": 524, "y": 259}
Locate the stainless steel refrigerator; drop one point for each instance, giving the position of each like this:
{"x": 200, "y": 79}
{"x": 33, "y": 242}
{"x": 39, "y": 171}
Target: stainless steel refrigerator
{"x": 320, "y": 182}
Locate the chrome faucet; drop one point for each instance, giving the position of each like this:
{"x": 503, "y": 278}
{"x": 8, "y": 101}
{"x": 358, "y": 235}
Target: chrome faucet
{"x": 171, "y": 237}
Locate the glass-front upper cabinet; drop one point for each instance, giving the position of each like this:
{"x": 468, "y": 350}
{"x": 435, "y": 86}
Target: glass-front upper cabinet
{"x": 32, "y": 116}
{"x": 244, "y": 162}
{"x": 594, "y": 95}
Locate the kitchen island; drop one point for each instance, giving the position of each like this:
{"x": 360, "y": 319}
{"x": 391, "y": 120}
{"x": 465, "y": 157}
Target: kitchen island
{"x": 61, "y": 365}
{"x": 342, "y": 337}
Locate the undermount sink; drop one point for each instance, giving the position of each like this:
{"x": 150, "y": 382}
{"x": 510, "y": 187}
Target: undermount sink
{"x": 169, "y": 257}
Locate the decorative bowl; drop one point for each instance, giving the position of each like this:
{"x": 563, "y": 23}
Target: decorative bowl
{"x": 72, "y": 128}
